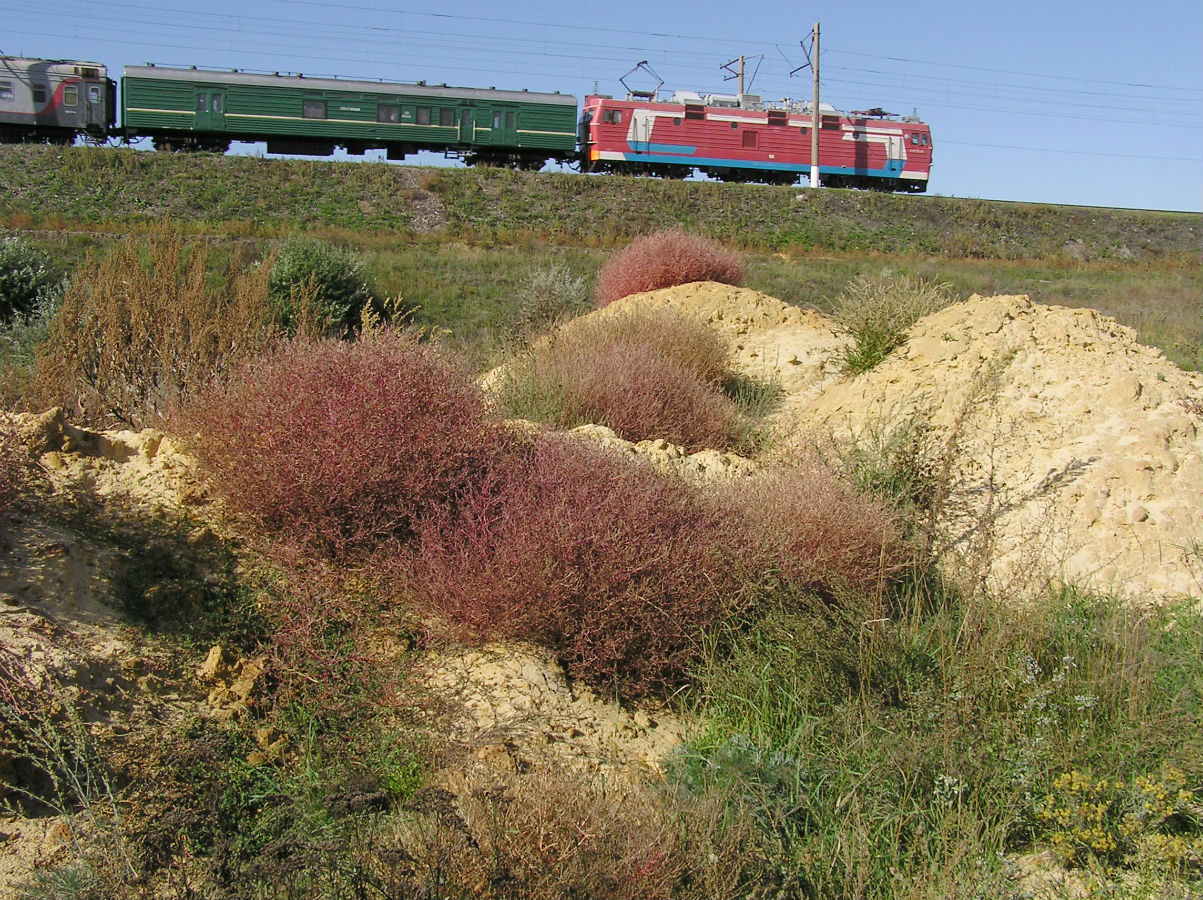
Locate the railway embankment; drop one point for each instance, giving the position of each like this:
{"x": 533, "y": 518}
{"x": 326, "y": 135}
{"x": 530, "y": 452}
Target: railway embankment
{"x": 253, "y": 194}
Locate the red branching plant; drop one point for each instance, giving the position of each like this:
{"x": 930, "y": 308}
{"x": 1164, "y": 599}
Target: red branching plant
{"x": 665, "y": 259}
{"x": 615, "y": 567}
{"x": 331, "y": 446}
{"x": 799, "y": 526}
{"x": 645, "y": 375}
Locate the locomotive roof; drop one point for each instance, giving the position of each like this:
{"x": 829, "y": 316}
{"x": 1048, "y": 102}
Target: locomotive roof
{"x": 25, "y": 62}
{"x": 237, "y": 76}
{"x": 753, "y": 102}
{"x": 729, "y": 101}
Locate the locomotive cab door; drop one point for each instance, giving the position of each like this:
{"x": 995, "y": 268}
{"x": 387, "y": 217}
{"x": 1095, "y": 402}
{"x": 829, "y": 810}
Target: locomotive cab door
{"x": 895, "y": 153}
{"x": 210, "y": 110}
{"x": 467, "y": 127}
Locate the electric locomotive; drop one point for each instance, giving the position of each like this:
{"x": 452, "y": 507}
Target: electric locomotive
{"x": 742, "y": 138}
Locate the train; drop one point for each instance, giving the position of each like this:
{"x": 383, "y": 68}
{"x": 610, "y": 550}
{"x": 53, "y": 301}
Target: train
{"x": 734, "y": 137}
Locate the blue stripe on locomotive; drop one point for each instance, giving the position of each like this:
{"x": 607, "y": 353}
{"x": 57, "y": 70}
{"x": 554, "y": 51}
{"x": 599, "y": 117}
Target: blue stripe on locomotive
{"x": 657, "y": 155}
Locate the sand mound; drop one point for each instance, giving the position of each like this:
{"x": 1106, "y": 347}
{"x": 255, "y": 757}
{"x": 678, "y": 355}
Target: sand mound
{"x": 1076, "y": 451}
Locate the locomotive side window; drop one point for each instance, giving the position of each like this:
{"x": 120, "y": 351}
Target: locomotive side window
{"x": 612, "y": 116}
{"x": 39, "y": 93}
{"x": 447, "y": 117}
{"x": 202, "y": 102}
{"x": 70, "y": 95}
{"x": 386, "y": 113}
{"x": 314, "y": 109}
{"x": 93, "y": 93}
{"x": 511, "y": 120}
{"x": 423, "y": 115}
{"x": 6, "y": 90}
{"x": 216, "y": 105}
{"x": 497, "y": 119}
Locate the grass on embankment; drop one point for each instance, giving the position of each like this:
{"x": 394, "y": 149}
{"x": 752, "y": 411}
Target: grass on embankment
{"x": 457, "y": 243}
{"x": 499, "y": 206}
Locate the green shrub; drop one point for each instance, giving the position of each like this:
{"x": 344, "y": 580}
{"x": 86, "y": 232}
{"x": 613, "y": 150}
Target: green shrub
{"x": 876, "y": 313}
{"x": 27, "y": 279}
{"x": 19, "y": 340}
{"x": 549, "y": 295}
{"x": 312, "y": 279}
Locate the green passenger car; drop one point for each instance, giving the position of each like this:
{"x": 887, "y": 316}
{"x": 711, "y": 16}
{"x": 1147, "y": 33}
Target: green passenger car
{"x": 206, "y": 110}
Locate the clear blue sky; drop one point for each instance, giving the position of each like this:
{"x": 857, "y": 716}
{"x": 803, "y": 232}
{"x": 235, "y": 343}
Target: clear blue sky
{"x": 1089, "y": 103}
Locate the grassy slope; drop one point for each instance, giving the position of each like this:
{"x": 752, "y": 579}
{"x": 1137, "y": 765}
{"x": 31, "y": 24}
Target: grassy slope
{"x": 93, "y": 185}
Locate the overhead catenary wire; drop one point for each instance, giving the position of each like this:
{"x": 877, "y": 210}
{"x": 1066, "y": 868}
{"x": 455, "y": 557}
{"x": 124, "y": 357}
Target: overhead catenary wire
{"x": 368, "y": 35}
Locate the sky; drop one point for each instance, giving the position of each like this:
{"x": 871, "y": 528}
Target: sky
{"x": 1096, "y": 104}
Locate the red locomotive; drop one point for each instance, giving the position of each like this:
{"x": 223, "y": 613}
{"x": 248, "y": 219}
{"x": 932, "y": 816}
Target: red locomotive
{"x": 742, "y": 138}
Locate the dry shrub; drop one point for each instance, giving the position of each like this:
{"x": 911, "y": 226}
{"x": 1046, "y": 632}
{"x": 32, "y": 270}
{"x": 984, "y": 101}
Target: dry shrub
{"x": 799, "y": 526}
{"x": 553, "y": 835}
{"x": 331, "y": 447}
{"x": 655, "y": 374}
{"x": 13, "y": 470}
{"x": 144, "y": 326}
{"x": 615, "y": 567}
{"x": 877, "y": 312}
{"x": 664, "y": 259}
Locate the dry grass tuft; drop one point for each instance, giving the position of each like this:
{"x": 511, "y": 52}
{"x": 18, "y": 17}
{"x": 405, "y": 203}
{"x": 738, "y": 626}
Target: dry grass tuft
{"x": 143, "y": 327}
